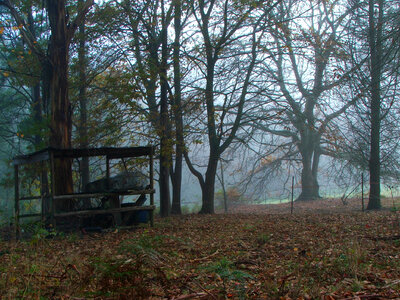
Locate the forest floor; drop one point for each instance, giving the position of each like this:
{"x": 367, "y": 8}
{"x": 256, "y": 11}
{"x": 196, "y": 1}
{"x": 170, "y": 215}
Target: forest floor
{"x": 325, "y": 250}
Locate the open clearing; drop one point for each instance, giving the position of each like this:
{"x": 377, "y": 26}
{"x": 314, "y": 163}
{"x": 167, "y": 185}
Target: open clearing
{"x": 323, "y": 251}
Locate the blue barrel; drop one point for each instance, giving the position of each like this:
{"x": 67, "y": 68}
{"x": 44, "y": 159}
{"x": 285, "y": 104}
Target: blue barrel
{"x": 143, "y": 216}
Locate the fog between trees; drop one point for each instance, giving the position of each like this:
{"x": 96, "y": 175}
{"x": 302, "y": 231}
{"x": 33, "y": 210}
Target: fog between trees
{"x": 267, "y": 88}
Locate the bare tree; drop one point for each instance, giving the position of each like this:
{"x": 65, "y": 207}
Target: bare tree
{"x": 224, "y": 60}
{"x": 309, "y": 62}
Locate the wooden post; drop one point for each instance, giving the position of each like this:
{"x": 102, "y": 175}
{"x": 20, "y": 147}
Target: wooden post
{"x": 107, "y": 173}
{"x": 42, "y": 207}
{"x": 362, "y": 191}
{"x": 16, "y": 204}
{"x": 53, "y": 189}
{"x": 291, "y": 205}
{"x": 114, "y": 200}
{"x": 151, "y": 186}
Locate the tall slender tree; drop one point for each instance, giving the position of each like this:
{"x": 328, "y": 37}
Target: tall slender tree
{"x": 176, "y": 172}
{"x": 164, "y": 123}
{"x": 375, "y": 20}
{"x": 221, "y": 30}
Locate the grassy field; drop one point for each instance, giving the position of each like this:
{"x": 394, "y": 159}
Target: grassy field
{"x": 325, "y": 250}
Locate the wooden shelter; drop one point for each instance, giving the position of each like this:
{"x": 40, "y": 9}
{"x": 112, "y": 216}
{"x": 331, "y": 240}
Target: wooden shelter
{"x": 47, "y": 157}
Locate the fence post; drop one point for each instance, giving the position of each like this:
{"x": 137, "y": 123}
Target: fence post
{"x": 362, "y": 190}
{"x": 16, "y": 204}
{"x": 291, "y": 206}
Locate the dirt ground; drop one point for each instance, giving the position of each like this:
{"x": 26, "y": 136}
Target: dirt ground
{"x": 325, "y": 250}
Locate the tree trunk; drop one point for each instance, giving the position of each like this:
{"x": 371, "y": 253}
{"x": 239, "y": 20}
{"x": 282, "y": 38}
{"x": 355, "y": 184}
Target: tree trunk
{"x": 60, "y": 124}
{"x": 309, "y": 172}
{"x": 309, "y": 186}
{"x": 209, "y": 184}
{"x": 165, "y": 142}
{"x": 375, "y": 44}
{"x": 177, "y": 109}
{"x": 223, "y": 189}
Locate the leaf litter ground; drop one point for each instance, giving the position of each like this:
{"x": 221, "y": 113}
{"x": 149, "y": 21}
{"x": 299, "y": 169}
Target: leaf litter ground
{"x": 325, "y": 250}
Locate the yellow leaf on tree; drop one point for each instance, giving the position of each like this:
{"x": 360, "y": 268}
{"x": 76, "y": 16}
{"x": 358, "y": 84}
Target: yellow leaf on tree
{"x": 1, "y": 30}
{"x": 6, "y": 74}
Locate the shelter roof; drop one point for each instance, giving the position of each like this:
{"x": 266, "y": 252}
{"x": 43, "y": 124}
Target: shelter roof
{"x": 110, "y": 152}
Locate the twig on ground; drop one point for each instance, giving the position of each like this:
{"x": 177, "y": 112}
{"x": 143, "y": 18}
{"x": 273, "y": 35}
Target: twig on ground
{"x": 205, "y": 258}
{"x": 189, "y": 296}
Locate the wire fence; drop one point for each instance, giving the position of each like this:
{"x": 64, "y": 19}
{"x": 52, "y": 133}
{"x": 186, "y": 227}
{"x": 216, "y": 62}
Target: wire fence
{"x": 354, "y": 196}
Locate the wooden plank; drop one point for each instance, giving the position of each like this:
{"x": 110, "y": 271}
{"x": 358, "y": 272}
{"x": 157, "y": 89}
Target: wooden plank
{"x": 32, "y": 157}
{"x": 104, "y": 211}
{"x": 92, "y": 195}
{"x": 30, "y": 215}
{"x": 30, "y": 198}
{"x": 104, "y": 151}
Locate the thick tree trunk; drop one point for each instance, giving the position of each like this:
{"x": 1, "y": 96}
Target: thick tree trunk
{"x": 309, "y": 186}
{"x": 309, "y": 172}
{"x": 60, "y": 124}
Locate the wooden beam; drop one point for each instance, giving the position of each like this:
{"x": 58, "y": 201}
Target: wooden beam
{"x": 104, "y": 211}
{"x": 30, "y": 215}
{"x": 31, "y": 158}
{"x": 93, "y": 195}
{"x": 111, "y": 152}
{"x": 30, "y": 198}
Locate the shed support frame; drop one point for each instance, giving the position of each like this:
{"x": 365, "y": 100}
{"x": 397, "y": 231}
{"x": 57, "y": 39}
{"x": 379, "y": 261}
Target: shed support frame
{"x": 51, "y": 154}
